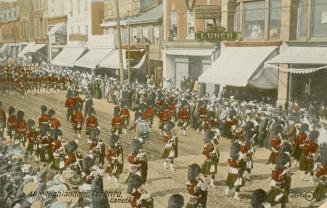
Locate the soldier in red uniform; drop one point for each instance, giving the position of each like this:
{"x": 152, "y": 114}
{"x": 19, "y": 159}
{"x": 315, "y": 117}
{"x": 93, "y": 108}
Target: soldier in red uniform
{"x": 172, "y": 108}
{"x": 12, "y": 122}
{"x": 70, "y": 157}
{"x": 116, "y": 121}
{"x": 171, "y": 146}
{"x": 149, "y": 112}
{"x": 32, "y": 138}
{"x": 299, "y": 141}
{"x": 276, "y": 142}
{"x": 70, "y": 105}
{"x": 184, "y": 117}
{"x": 91, "y": 122}
{"x": 77, "y": 121}
{"x": 202, "y": 112}
{"x": 197, "y": 188}
{"x": 114, "y": 157}
{"x": 21, "y": 127}
{"x": 279, "y": 181}
{"x": 164, "y": 118}
{"x": 160, "y": 102}
{"x": 139, "y": 196}
{"x": 212, "y": 155}
{"x": 137, "y": 160}
{"x": 319, "y": 193}
{"x": 54, "y": 123}
{"x": 125, "y": 116}
{"x": 44, "y": 119}
{"x": 3, "y": 121}
{"x": 309, "y": 154}
{"x": 234, "y": 178}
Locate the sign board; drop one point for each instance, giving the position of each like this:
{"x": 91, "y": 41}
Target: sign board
{"x": 77, "y": 37}
{"x": 207, "y": 11}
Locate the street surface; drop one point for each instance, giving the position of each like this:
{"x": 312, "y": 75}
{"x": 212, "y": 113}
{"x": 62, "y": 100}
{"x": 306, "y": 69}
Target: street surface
{"x": 162, "y": 183}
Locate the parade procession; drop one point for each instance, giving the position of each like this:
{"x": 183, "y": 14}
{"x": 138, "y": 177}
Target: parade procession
{"x": 163, "y": 103}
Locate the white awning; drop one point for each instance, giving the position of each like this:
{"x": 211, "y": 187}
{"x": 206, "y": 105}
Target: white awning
{"x": 236, "y": 65}
{"x": 92, "y": 58}
{"x": 59, "y": 28}
{"x": 302, "y": 55}
{"x": 32, "y": 47}
{"x": 68, "y": 56}
{"x": 3, "y": 47}
{"x": 111, "y": 61}
{"x": 190, "y": 52}
{"x": 306, "y": 70}
{"x": 141, "y": 63}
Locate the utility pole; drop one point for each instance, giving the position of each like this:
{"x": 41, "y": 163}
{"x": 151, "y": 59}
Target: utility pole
{"x": 119, "y": 45}
{"x": 129, "y": 50}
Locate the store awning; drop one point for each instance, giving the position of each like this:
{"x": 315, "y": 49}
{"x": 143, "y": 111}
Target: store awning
{"x": 153, "y": 15}
{"x": 141, "y": 63}
{"x": 3, "y": 48}
{"x": 189, "y": 52}
{"x": 302, "y": 55}
{"x": 59, "y": 29}
{"x": 111, "y": 61}
{"x": 267, "y": 78}
{"x": 92, "y": 58}
{"x": 31, "y": 47}
{"x": 68, "y": 56}
{"x": 237, "y": 65}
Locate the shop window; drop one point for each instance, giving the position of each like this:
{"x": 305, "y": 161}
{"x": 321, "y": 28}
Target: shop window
{"x": 237, "y": 19}
{"x": 156, "y": 34}
{"x": 254, "y": 20}
{"x": 274, "y": 19}
{"x": 319, "y": 18}
{"x": 173, "y": 28}
{"x": 190, "y": 24}
{"x": 302, "y": 19}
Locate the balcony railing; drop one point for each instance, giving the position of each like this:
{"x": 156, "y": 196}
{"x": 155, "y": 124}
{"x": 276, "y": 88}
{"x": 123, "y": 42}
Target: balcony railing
{"x": 216, "y": 36}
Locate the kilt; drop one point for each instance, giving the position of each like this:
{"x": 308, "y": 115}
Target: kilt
{"x": 273, "y": 157}
{"x": 88, "y": 131}
{"x": 231, "y": 179}
{"x": 208, "y": 168}
{"x": 297, "y": 153}
{"x": 30, "y": 147}
{"x": 77, "y": 127}
{"x": 166, "y": 153}
{"x": 306, "y": 164}
{"x": 319, "y": 192}
{"x": 275, "y": 192}
{"x": 162, "y": 125}
{"x": 114, "y": 169}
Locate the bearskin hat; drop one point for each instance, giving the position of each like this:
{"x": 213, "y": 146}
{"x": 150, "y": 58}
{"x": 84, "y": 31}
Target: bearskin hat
{"x": 286, "y": 147}
{"x": 304, "y": 127}
{"x": 57, "y": 133}
{"x": 282, "y": 160}
{"x": 176, "y": 201}
{"x": 258, "y": 198}
{"x": 184, "y": 103}
{"x": 142, "y": 107}
{"x": 169, "y": 126}
{"x": 51, "y": 112}
{"x": 234, "y": 150}
{"x": 71, "y": 146}
{"x": 11, "y": 110}
{"x": 136, "y": 146}
{"x": 134, "y": 182}
{"x": 116, "y": 110}
{"x": 77, "y": 107}
{"x": 31, "y": 124}
{"x": 209, "y": 136}
{"x": 43, "y": 109}
{"x": 100, "y": 201}
{"x": 313, "y": 135}
{"x": 20, "y": 115}
{"x": 91, "y": 111}
{"x": 113, "y": 139}
{"x": 323, "y": 153}
{"x": 95, "y": 132}
{"x": 193, "y": 171}
{"x": 87, "y": 163}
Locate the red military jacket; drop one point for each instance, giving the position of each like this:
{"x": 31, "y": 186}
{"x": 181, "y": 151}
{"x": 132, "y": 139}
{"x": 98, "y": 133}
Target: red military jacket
{"x": 21, "y": 127}
{"x": 31, "y": 136}
{"x": 44, "y": 118}
{"x": 310, "y": 148}
{"x": 172, "y": 108}
{"x": 208, "y": 148}
{"x": 321, "y": 171}
{"x": 54, "y": 123}
{"x": 3, "y": 117}
{"x": 70, "y": 103}
{"x": 112, "y": 152}
{"x": 202, "y": 113}
{"x": 116, "y": 122}
{"x": 160, "y": 103}
{"x": 300, "y": 139}
{"x": 164, "y": 116}
{"x": 132, "y": 159}
{"x": 77, "y": 118}
{"x": 12, "y": 121}
{"x": 91, "y": 122}
{"x": 277, "y": 176}
{"x": 276, "y": 142}
{"x": 166, "y": 137}
{"x": 79, "y": 100}
{"x": 133, "y": 201}
{"x": 233, "y": 163}
{"x": 124, "y": 113}
{"x": 149, "y": 112}
{"x": 184, "y": 114}
{"x": 69, "y": 159}
{"x": 55, "y": 145}
{"x": 92, "y": 146}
